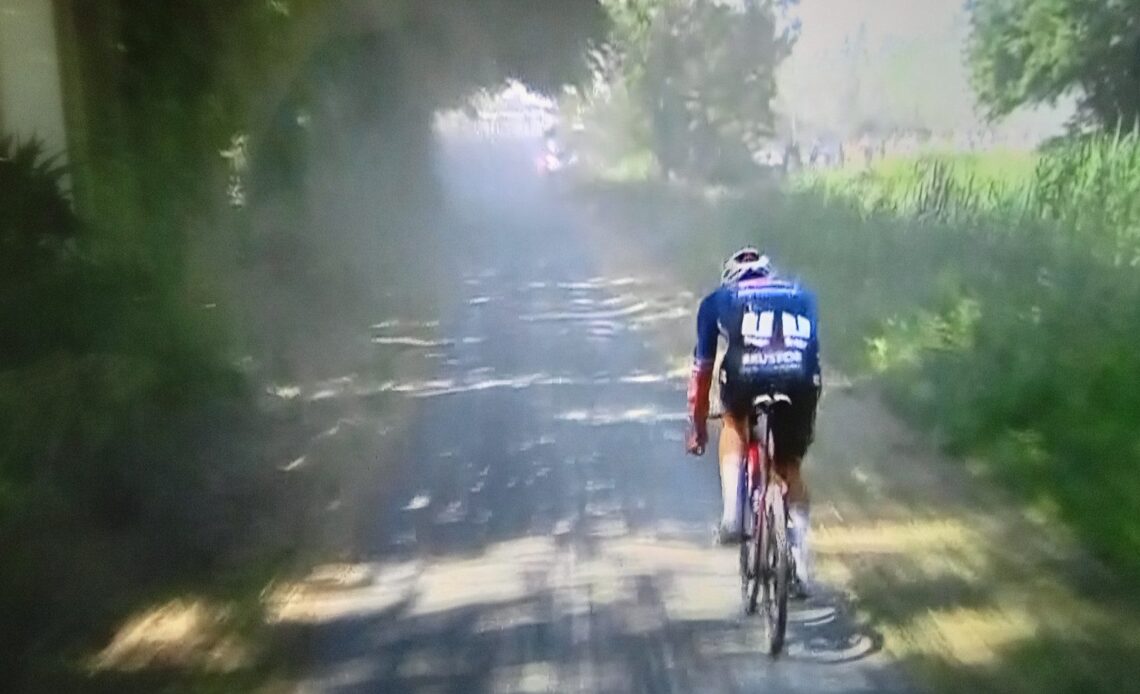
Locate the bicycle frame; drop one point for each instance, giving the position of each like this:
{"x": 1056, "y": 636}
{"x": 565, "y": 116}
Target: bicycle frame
{"x": 753, "y": 480}
{"x": 765, "y": 558}
{"x": 756, "y": 473}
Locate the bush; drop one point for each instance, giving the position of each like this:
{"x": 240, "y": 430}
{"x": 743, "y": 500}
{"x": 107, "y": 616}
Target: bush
{"x": 101, "y": 366}
{"x": 85, "y": 338}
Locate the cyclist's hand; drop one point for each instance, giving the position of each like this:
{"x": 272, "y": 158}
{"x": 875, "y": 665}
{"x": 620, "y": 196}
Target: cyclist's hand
{"x": 696, "y": 437}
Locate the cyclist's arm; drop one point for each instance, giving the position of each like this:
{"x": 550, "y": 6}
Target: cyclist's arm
{"x": 813, "y": 316}
{"x": 812, "y": 311}
{"x": 703, "y": 358}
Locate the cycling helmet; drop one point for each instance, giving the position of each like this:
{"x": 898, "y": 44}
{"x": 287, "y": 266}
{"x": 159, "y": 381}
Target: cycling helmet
{"x": 745, "y": 263}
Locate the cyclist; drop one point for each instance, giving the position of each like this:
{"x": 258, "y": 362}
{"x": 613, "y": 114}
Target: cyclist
{"x": 770, "y": 327}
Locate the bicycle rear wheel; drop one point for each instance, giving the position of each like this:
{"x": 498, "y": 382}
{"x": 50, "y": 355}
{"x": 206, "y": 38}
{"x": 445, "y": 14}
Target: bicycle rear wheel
{"x": 750, "y": 553}
{"x": 750, "y": 562}
{"x": 775, "y": 572}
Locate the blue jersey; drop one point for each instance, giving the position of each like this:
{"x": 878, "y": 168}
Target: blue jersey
{"x": 771, "y": 327}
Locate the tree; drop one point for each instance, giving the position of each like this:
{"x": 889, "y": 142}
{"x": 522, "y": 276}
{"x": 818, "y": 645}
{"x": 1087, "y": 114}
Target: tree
{"x": 704, "y": 71}
{"x": 1027, "y": 52}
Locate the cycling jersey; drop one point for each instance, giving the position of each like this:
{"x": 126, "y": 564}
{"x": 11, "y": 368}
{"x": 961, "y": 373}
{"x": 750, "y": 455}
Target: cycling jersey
{"x": 771, "y": 328}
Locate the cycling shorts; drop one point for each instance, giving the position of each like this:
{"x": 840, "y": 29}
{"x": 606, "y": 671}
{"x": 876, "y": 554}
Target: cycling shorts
{"x": 793, "y": 424}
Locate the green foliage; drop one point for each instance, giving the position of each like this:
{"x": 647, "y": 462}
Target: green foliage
{"x": 700, "y": 75}
{"x": 990, "y": 176}
{"x": 35, "y": 218}
{"x": 1036, "y": 51}
{"x": 1090, "y": 187}
{"x": 710, "y": 80}
{"x": 37, "y": 235}
{"x": 165, "y": 89}
{"x": 543, "y": 44}
{"x": 88, "y": 339}
{"x": 99, "y": 366}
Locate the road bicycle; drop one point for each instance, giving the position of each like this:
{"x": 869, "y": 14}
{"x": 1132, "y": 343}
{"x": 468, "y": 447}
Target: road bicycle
{"x": 766, "y": 563}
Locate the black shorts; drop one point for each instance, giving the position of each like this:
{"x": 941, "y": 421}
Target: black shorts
{"x": 793, "y": 424}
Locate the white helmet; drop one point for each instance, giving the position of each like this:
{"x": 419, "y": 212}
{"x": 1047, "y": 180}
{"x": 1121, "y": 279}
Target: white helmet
{"x": 746, "y": 262}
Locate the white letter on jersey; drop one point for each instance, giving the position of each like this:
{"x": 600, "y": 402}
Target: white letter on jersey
{"x": 797, "y": 330}
{"x": 756, "y": 328}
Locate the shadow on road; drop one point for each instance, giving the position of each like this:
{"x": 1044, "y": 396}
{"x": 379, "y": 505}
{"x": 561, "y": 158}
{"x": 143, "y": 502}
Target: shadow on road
{"x": 518, "y": 629}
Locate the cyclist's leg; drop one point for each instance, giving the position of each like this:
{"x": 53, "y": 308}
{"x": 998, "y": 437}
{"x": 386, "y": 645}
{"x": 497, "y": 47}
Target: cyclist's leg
{"x": 799, "y": 512}
{"x": 795, "y": 430}
{"x": 732, "y": 450}
{"x": 789, "y": 470}
{"x": 793, "y": 436}
{"x": 733, "y": 446}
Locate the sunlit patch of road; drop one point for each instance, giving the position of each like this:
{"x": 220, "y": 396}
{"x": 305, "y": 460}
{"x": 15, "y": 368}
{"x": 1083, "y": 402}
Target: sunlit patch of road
{"x": 637, "y": 415}
{"x": 184, "y": 634}
{"x": 625, "y": 589}
{"x": 474, "y": 380}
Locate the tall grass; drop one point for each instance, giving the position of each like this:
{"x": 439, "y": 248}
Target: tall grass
{"x": 1091, "y": 191}
{"x": 1084, "y": 190}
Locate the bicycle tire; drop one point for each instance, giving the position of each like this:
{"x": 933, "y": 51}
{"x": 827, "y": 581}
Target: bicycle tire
{"x": 750, "y": 566}
{"x": 750, "y": 554}
{"x": 776, "y": 574}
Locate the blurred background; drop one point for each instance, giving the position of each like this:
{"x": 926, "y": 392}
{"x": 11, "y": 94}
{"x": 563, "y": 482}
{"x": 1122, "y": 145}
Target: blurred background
{"x": 299, "y": 298}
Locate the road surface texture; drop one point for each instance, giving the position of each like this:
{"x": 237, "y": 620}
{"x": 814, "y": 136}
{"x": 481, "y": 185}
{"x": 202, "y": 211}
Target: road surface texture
{"x": 540, "y": 529}
{"x": 546, "y": 533}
